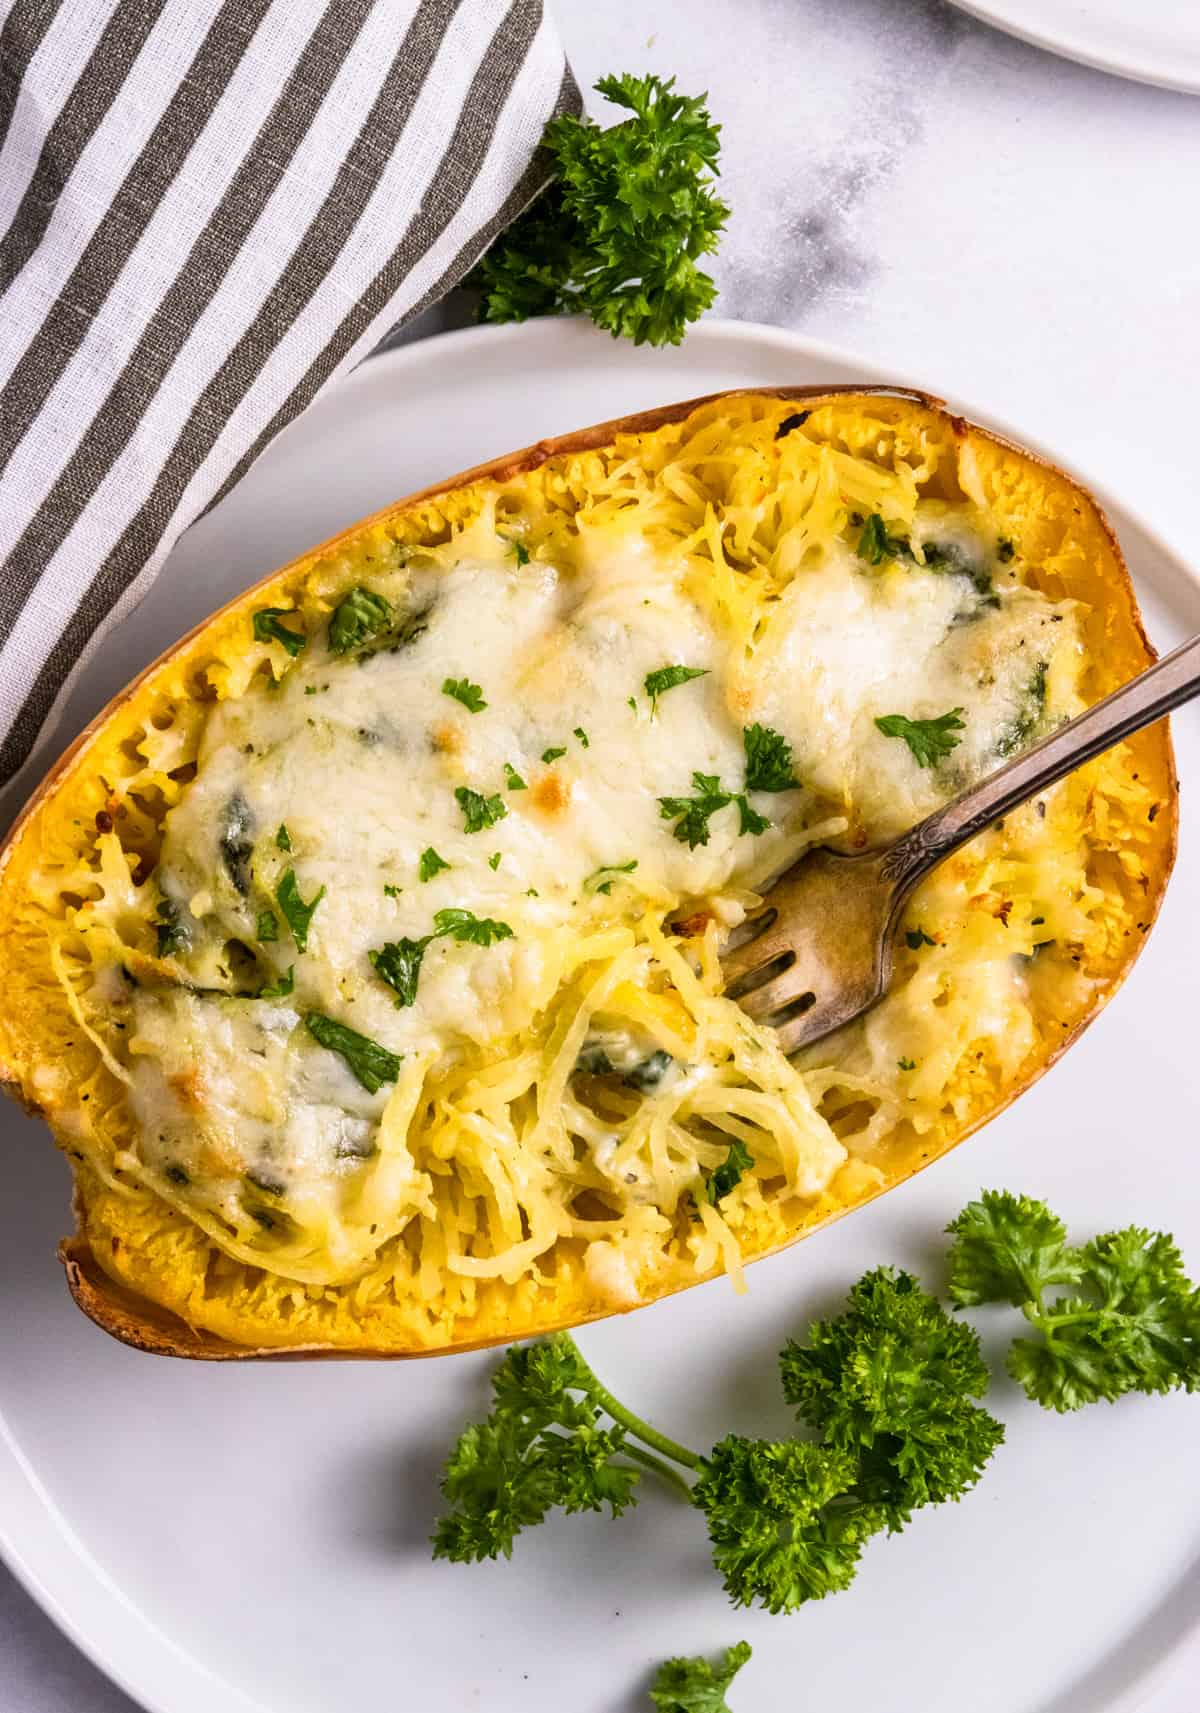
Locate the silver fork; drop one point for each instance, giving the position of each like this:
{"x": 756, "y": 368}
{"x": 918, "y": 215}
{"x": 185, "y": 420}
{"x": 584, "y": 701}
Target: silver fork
{"x": 820, "y": 950}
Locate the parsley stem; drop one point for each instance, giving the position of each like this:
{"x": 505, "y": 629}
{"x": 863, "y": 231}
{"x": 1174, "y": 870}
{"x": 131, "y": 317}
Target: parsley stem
{"x": 1048, "y": 1323}
{"x": 660, "y": 1468}
{"x": 635, "y": 1425}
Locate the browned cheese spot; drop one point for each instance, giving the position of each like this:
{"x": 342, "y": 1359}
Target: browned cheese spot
{"x": 448, "y": 739}
{"x": 551, "y": 793}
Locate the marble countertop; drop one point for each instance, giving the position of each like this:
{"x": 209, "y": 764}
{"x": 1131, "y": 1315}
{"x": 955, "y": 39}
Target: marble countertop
{"x": 997, "y": 224}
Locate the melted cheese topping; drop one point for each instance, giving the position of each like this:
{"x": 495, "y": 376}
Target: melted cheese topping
{"x": 582, "y": 1074}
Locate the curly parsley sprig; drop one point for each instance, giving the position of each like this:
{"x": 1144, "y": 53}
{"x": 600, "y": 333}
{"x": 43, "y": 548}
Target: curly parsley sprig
{"x": 888, "y": 1384}
{"x": 1130, "y": 1318}
{"x": 695, "y": 1685}
{"x": 618, "y": 232}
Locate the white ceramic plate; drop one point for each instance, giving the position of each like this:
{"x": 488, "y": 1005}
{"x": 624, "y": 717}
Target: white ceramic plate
{"x": 253, "y": 1539}
{"x": 1153, "y": 41}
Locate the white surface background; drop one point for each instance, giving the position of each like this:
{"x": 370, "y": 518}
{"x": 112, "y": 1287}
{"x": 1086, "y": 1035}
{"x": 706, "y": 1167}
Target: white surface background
{"x": 1015, "y": 228}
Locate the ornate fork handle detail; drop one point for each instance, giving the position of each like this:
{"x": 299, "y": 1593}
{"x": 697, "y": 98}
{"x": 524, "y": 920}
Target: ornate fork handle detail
{"x": 1169, "y": 684}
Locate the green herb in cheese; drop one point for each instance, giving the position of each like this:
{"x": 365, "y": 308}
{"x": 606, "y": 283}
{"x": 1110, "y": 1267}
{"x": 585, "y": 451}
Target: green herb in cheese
{"x": 296, "y": 913}
{"x": 876, "y": 544}
{"x": 726, "y": 1176}
{"x": 601, "y": 879}
{"x": 462, "y": 690}
{"x": 170, "y": 932}
{"x": 665, "y": 678}
{"x": 236, "y": 843}
{"x": 479, "y": 812}
{"x": 268, "y": 628}
{"x": 399, "y": 961}
{"x": 692, "y": 814}
{"x": 279, "y": 989}
{"x": 1030, "y": 714}
{"x": 768, "y": 760}
{"x": 372, "y": 1064}
{"x": 431, "y": 863}
{"x": 358, "y": 617}
{"x": 929, "y": 740}
{"x": 465, "y": 926}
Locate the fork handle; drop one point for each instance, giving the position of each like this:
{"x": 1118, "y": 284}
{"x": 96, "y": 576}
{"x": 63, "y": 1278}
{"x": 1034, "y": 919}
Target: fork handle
{"x": 1146, "y": 698}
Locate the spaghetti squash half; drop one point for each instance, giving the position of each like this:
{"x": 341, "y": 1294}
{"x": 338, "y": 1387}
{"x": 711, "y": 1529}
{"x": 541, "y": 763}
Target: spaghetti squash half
{"x": 363, "y": 954}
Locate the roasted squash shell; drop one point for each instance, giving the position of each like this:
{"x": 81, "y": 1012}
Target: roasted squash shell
{"x": 151, "y": 1275}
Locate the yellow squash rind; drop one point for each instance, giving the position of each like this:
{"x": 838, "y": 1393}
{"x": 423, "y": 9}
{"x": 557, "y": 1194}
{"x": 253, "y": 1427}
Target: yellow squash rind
{"x": 148, "y": 1275}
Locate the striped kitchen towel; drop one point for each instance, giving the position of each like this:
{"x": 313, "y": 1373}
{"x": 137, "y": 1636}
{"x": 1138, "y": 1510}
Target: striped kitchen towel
{"x": 209, "y": 211}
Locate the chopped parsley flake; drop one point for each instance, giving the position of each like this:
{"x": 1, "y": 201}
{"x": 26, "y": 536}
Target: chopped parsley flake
{"x": 916, "y": 938}
{"x": 430, "y": 863}
{"x": 665, "y": 678}
{"x": 267, "y": 628}
{"x": 727, "y": 1175}
{"x": 494, "y": 861}
{"x": 512, "y": 778}
{"x": 479, "y": 811}
{"x": 875, "y": 544}
{"x": 462, "y": 690}
{"x": 692, "y": 814}
{"x": 549, "y": 755}
{"x": 602, "y": 879}
{"x": 283, "y": 839}
{"x": 906, "y": 1064}
{"x": 768, "y": 760}
{"x": 582, "y": 736}
{"x": 929, "y": 740}
{"x": 172, "y": 934}
{"x": 372, "y": 1064}
{"x": 296, "y": 913}
{"x": 391, "y": 891}
{"x": 279, "y": 989}
{"x": 467, "y": 928}
{"x": 749, "y": 820}
{"x": 398, "y": 963}
{"x": 360, "y": 616}
{"x": 520, "y": 549}
{"x": 267, "y": 928}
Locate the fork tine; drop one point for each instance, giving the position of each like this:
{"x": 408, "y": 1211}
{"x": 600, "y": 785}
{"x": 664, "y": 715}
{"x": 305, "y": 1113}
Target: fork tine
{"x": 773, "y": 995}
{"x": 754, "y": 951}
{"x": 819, "y": 953}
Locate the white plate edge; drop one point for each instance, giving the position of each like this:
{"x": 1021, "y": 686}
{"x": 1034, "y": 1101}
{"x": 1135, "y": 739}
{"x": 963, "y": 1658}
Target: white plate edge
{"x": 1068, "y": 46}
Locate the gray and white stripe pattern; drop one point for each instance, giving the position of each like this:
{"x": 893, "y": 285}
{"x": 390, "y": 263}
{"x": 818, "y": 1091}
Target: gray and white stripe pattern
{"x": 208, "y": 211}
